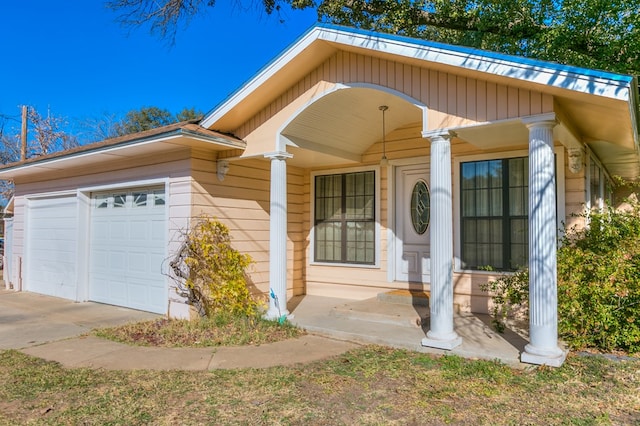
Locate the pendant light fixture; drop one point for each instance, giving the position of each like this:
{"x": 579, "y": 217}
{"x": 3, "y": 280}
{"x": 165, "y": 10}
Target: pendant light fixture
{"x": 383, "y": 161}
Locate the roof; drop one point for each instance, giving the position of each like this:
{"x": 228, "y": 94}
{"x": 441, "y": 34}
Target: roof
{"x": 602, "y": 106}
{"x": 165, "y": 138}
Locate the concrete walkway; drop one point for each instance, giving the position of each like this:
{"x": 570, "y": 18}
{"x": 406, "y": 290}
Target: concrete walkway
{"x": 56, "y": 329}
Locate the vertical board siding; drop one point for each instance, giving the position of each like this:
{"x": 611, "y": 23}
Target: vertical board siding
{"x": 452, "y": 99}
{"x": 241, "y": 202}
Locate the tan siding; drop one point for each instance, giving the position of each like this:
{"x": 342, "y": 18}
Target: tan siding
{"x": 106, "y": 173}
{"x": 575, "y": 196}
{"x": 452, "y": 99}
{"x": 524, "y": 102}
{"x": 241, "y": 202}
{"x": 491, "y": 101}
{"x": 481, "y": 101}
{"x": 472, "y": 102}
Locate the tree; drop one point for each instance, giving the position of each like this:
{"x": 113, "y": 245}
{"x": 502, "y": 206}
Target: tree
{"x": 601, "y": 34}
{"x": 137, "y": 120}
{"x": 147, "y": 118}
{"x": 47, "y": 134}
{"x": 188, "y": 114}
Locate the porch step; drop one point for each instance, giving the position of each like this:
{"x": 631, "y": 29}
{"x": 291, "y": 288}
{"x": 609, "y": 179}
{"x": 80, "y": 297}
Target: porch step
{"x": 377, "y": 311}
{"x": 410, "y": 297}
{"x": 405, "y": 297}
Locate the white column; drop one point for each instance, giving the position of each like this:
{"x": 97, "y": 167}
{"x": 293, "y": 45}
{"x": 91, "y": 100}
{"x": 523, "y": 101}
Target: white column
{"x": 278, "y": 236}
{"x": 441, "y": 334}
{"x": 543, "y": 298}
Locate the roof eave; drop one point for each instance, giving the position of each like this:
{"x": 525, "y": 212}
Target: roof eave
{"x": 21, "y": 168}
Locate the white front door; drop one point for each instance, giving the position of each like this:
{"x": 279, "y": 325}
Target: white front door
{"x": 412, "y": 223}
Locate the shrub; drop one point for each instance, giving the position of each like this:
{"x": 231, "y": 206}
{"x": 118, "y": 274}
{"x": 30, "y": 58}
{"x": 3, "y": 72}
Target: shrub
{"x": 511, "y": 293}
{"x": 217, "y": 271}
{"x": 598, "y": 284}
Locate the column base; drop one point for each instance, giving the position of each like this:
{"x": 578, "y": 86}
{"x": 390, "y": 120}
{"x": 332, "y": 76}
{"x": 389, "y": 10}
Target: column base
{"x": 552, "y": 358}
{"x": 277, "y": 315}
{"x": 446, "y": 342}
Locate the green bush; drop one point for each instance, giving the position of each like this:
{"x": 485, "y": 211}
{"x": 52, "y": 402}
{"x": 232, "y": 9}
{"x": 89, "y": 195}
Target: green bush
{"x": 598, "y": 284}
{"x": 217, "y": 271}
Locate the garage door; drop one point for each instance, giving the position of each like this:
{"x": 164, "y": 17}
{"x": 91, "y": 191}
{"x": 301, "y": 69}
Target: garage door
{"x": 50, "y": 263}
{"x": 127, "y": 249}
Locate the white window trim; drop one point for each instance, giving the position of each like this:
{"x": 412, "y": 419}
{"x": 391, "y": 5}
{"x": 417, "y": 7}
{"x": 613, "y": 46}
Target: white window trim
{"x": 377, "y": 251}
{"x": 457, "y": 160}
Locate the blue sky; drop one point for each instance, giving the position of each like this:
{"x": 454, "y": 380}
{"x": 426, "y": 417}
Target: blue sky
{"x": 72, "y": 57}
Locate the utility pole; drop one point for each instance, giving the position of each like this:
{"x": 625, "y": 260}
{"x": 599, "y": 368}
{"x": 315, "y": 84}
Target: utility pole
{"x": 23, "y": 134}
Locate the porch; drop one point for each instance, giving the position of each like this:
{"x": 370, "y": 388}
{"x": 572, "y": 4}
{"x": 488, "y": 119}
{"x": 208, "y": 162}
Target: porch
{"x": 394, "y": 322}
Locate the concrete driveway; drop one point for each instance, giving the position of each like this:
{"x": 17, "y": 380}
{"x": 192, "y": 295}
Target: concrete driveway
{"x": 29, "y": 319}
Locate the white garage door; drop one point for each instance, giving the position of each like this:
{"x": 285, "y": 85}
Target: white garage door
{"x": 127, "y": 249}
{"x": 52, "y": 233}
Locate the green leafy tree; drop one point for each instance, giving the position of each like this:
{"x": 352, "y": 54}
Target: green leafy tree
{"x": 137, "y": 120}
{"x": 189, "y": 114}
{"x": 601, "y": 34}
{"x": 145, "y": 118}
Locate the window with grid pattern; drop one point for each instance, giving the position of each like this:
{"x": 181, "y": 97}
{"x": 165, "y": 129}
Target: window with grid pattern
{"x": 345, "y": 218}
{"x": 494, "y": 208}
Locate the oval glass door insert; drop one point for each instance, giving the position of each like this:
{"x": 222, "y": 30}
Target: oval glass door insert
{"x": 420, "y": 203}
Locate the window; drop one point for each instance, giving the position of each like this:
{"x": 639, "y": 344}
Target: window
{"x": 102, "y": 201}
{"x": 598, "y": 185}
{"x": 158, "y": 197}
{"x": 139, "y": 199}
{"x": 119, "y": 200}
{"x": 494, "y": 208}
{"x": 344, "y": 218}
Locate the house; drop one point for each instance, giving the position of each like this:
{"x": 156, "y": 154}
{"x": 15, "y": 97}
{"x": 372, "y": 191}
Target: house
{"x": 352, "y": 164}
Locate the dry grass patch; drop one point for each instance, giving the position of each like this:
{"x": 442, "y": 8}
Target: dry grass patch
{"x": 203, "y": 332}
{"x": 368, "y": 386}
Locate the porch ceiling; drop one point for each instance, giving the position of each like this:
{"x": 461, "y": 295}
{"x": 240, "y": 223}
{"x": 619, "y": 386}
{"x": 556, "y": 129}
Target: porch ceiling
{"x": 341, "y": 126}
{"x": 602, "y": 127}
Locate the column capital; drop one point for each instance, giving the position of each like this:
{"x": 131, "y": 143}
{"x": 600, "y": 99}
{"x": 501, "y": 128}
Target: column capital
{"x": 540, "y": 120}
{"x": 278, "y": 155}
{"x": 438, "y": 134}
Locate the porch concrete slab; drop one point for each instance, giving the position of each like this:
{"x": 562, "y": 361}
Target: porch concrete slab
{"x": 401, "y": 314}
{"x": 30, "y": 319}
{"x": 302, "y": 350}
{"x": 479, "y": 341}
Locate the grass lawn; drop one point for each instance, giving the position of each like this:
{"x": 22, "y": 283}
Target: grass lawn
{"x": 371, "y": 385}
